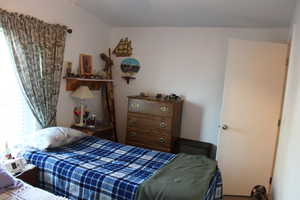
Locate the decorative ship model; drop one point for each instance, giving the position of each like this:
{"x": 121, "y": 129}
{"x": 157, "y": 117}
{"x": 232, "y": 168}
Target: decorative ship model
{"x": 124, "y": 48}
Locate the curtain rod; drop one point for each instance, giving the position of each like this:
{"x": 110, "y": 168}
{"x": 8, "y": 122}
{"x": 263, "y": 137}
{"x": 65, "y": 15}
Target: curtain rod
{"x": 69, "y": 30}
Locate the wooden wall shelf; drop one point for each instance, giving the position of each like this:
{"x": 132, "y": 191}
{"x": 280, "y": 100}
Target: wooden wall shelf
{"x": 128, "y": 78}
{"x": 94, "y": 84}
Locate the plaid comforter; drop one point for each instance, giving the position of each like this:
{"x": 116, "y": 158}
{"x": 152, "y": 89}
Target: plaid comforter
{"x": 99, "y": 169}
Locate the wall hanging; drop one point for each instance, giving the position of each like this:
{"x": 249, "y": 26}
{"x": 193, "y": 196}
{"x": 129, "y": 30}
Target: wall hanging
{"x": 130, "y": 66}
{"x": 124, "y": 48}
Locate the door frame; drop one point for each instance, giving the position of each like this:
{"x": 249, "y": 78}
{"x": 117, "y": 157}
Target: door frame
{"x": 288, "y": 62}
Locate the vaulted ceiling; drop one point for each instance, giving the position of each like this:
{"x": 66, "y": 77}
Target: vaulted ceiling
{"x": 187, "y": 13}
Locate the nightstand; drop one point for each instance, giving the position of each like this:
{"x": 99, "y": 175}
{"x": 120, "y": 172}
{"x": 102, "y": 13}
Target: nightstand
{"x": 30, "y": 175}
{"x": 103, "y": 131}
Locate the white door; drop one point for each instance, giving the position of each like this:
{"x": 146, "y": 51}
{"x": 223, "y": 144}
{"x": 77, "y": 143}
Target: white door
{"x": 254, "y": 84}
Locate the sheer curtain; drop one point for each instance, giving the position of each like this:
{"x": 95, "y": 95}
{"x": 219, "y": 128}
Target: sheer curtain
{"x": 16, "y": 118}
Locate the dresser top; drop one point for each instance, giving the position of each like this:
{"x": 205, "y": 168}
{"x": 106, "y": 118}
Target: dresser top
{"x": 152, "y": 98}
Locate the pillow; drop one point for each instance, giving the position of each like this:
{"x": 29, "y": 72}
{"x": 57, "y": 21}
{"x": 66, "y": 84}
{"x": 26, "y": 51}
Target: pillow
{"x": 7, "y": 181}
{"x": 54, "y": 137}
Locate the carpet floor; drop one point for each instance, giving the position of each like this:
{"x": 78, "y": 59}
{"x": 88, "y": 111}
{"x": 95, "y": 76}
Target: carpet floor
{"x": 236, "y": 198}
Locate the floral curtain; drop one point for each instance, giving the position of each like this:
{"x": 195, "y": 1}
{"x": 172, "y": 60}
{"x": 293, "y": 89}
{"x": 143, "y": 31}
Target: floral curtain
{"x": 38, "y": 51}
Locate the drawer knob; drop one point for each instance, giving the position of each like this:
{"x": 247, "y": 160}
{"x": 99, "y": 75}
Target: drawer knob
{"x": 162, "y": 140}
{"x": 164, "y": 108}
{"x": 132, "y": 134}
{"x": 163, "y": 125}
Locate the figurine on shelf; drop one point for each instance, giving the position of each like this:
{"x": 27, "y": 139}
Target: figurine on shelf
{"x": 108, "y": 64}
{"x": 87, "y": 76}
{"x": 99, "y": 76}
{"x": 71, "y": 75}
{"x": 142, "y": 94}
{"x": 159, "y": 96}
{"x": 68, "y": 69}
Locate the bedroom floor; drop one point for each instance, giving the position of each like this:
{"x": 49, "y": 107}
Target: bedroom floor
{"x": 236, "y": 198}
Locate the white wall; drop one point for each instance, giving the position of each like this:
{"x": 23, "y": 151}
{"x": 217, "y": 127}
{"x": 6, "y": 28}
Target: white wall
{"x": 286, "y": 177}
{"x": 90, "y": 36}
{"x": 185, "y": 61}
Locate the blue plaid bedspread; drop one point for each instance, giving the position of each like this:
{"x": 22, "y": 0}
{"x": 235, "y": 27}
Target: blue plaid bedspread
{"x": 94, "y": 169}
{"x": 215, "y": 190}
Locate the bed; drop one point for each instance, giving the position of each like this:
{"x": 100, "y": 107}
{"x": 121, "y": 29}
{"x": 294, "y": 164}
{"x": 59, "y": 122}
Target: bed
{"x": 27, "y": 192}
{"x": 92, "y": 168}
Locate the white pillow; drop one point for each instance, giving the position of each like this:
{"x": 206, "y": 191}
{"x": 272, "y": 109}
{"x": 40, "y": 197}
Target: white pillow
{"x": 54, "y": 137}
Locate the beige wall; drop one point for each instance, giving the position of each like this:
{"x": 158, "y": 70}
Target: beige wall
{"x": 286, "y": 177}
{"x": 90, "y": 36}
{"x": 185, "y": 61}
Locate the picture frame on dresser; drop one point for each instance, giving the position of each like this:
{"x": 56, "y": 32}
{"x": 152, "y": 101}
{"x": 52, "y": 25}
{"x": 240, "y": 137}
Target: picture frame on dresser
{"x": 153, "y": 123}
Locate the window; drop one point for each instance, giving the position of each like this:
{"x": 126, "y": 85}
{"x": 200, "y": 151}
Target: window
{"x": 16, "y": 118}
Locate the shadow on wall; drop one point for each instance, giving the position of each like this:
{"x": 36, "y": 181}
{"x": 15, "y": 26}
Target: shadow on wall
{"x": 192, "y": 120}
{"x": 192, "y": 123}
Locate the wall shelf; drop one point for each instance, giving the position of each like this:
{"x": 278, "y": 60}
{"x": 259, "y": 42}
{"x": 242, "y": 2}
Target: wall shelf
{"x": 128, "y": 78}
{"x": 94, "y": 84}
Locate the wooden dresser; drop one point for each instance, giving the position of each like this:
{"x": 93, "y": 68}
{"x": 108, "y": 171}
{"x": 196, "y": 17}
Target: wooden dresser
{"x": 153, "y": 123}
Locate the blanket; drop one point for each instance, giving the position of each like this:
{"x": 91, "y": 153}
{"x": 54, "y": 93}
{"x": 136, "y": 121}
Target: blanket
{"x": 186, "y": 177}
{"x": 27, "y": 192}
{"x": 92, "y": 168}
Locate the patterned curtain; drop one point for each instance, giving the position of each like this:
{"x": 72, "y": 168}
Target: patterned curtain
{"x": 38, "y": 51}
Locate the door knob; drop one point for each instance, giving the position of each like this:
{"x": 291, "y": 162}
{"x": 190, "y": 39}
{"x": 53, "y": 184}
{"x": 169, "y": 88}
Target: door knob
{"x": 224, "y": 127}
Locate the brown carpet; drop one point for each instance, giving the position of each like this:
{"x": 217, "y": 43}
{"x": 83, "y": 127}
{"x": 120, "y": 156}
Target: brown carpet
{"x": 236, "y": 198}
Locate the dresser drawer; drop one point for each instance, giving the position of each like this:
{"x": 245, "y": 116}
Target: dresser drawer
{"x": 146, "y": 122}
{"x": 149, "y": 139}
{"x": 150, "y": 107}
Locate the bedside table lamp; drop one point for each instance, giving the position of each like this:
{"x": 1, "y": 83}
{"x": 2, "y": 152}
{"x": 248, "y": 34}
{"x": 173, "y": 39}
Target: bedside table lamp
{"x": 82, "y": 93}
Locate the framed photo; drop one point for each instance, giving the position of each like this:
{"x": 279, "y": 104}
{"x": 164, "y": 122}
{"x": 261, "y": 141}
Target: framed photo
{"x": 86, "y": 64}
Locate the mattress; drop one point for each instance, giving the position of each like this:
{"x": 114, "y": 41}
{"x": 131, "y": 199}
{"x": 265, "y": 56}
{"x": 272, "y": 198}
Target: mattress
{"x": 100, "y": 169}
{"x": 27, "y": 192}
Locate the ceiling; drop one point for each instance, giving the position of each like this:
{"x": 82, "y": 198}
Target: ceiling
{"x": 192, "y": 13}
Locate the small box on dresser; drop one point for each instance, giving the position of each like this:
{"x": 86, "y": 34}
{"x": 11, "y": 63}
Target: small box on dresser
{"x": 153, "y": 123}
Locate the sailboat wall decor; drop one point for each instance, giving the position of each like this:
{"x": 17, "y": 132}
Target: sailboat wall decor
{"x": 124, "y": 48}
